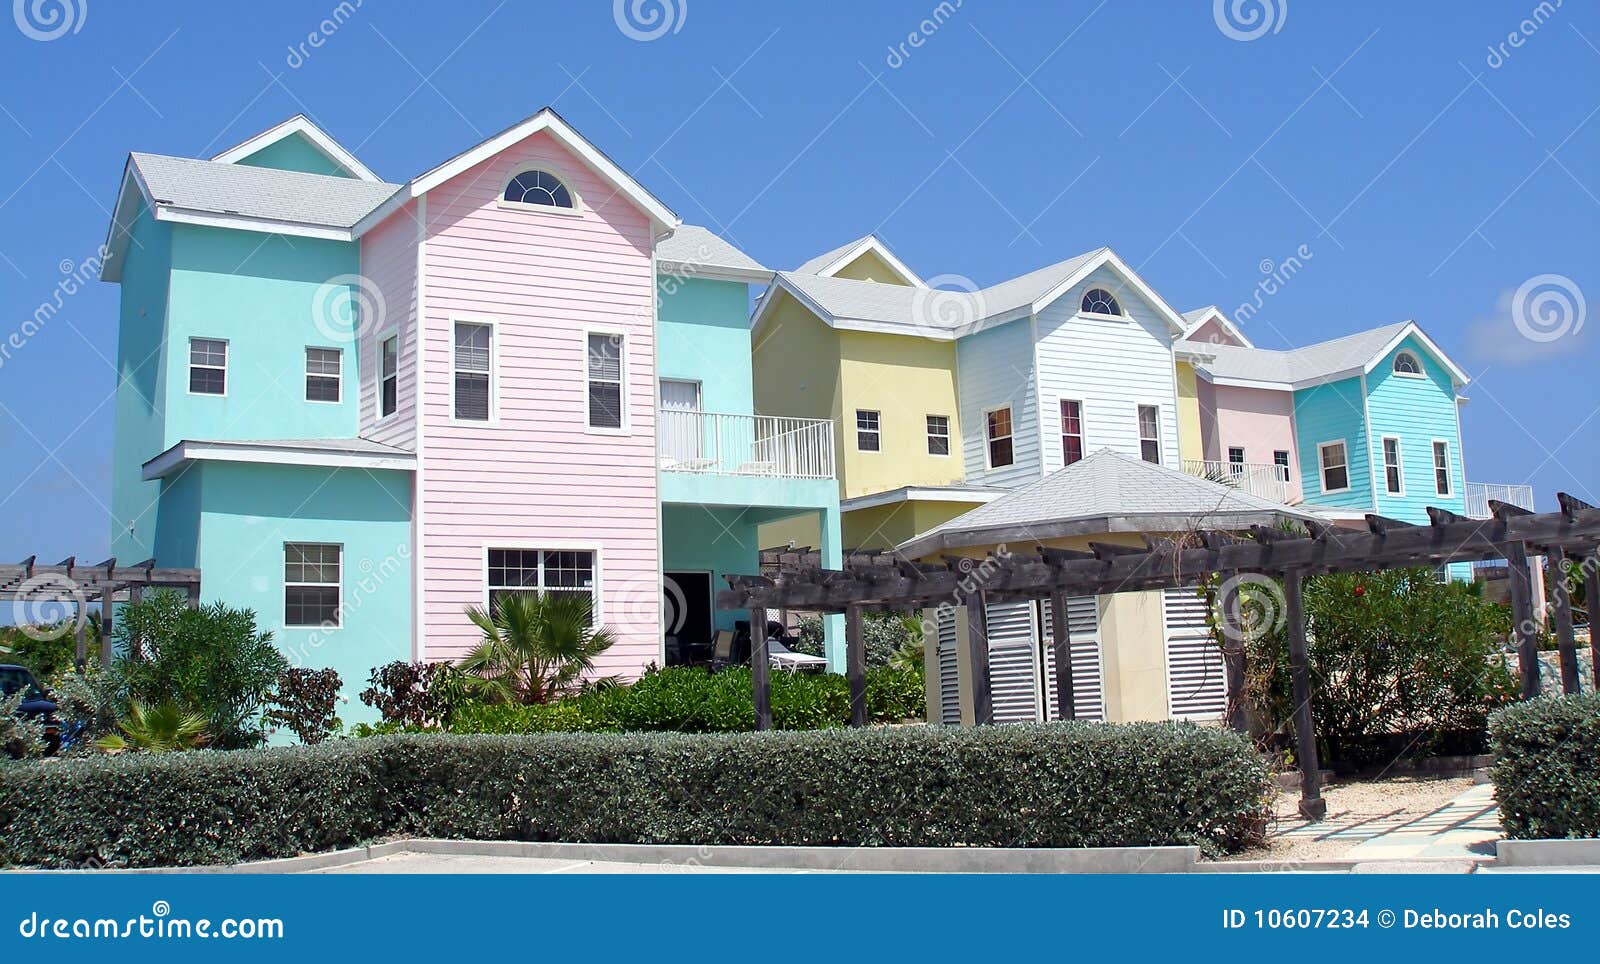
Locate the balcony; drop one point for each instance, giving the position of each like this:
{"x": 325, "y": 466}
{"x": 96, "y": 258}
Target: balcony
{"x": 752, "y": 446}
{"x": 1259, "y": 479}
{"x": 1479, "y": 494}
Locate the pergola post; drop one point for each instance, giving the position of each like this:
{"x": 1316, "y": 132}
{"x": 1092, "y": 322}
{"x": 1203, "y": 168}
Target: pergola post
{"x": 760, "y": 669}
{"x": 1523, "y": 626}
{"x": 1312, "y": 806}
{"x": 1233, "y": 663}
{"x": 1591, "y": 598}
{"x": 978, "y": 656}
{"x": 1061, "y": 644}
{"x": 856, "y": 664}
{"x": 135, "y": 650}
{"x": 194, "y": 595}
{"x": 80, "y": 631}
{"x": 1561, "y": 604}
{"x": 106, "y": 610}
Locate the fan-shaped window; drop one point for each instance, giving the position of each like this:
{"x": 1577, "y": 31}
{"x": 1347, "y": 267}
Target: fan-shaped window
{"x": 538, "y": 187}
{"x": 1099, "y": 301}
{"x": 1406, "y": 363}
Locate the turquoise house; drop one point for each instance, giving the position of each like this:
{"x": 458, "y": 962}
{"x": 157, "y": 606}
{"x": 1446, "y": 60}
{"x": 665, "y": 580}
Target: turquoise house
{"x": 725, "y": 469}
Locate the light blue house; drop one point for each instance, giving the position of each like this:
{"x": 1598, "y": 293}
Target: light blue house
{"x": 725, "y": 469}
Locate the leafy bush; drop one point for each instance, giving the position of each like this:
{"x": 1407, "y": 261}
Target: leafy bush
{"x": 88, "y": 704}
{"x": 211, "y": 661}
{"x": 414, "y": 694}
{"x": 18, "y": 737}
{"x": 1399, "y": 661}
{"x": 889, "y": 638}
{"x": 1035, "y": 785}
{"x": 304, "y": 702}
{"x": 54, "y": 653}
{"x": 690, "y": 700}
{"x": 1547, "y": 767}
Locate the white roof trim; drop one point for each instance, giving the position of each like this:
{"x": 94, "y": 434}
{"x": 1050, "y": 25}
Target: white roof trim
{"x": 1245, "y": 382}
{"x": 1108, "y": 257}
{"x": 174, "y": 458}
{"x": 1213, "y": 313}
{"x": 210, "y": 219}
{"x": 917, "y": 493}
{"x": 1413, "y": 330}
{"x": 116, "y": 244}
{"x": 714, "y": 272}
{"x": 871, "y": 243}
{"x": 545, "y": 120}
{"x": 299, "y": 124}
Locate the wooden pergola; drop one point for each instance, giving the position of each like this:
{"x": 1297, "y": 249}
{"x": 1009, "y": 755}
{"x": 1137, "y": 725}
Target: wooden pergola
{"x": 66, "y": 581}
{"x": 1512, "y": 533}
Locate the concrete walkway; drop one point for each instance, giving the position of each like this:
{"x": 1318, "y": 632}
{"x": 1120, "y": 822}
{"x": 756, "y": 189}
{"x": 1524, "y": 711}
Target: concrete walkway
{"x": 1466, "y": 828}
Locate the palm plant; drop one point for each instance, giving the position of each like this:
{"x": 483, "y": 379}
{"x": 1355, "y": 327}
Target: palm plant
{"x": 536, "y": 647}
{"x": 162, "y": 728}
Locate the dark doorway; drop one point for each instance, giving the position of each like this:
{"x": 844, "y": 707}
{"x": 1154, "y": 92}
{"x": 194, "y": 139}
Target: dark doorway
{"x": 686, "y": 617}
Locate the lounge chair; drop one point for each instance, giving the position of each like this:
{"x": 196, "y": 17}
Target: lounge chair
{"x": 782, "y": 657}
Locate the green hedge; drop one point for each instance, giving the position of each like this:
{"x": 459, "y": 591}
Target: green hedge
{"x": 1039, "y": 785}
{"x": 1547, "y": 768}
{"x": 693, "y": 701}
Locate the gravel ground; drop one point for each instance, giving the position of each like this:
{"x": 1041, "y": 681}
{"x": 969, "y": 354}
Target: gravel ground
{"x": 1350, "y": 802}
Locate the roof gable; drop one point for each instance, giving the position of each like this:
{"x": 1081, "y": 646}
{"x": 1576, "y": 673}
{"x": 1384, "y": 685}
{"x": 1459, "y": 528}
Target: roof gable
{"x": 1317, "y": 364}
{"x": 868, "y": 252}
{"x": 1209, "y": 326}
{"x": 297, "y": 130}
{"x": 695, "y": 252}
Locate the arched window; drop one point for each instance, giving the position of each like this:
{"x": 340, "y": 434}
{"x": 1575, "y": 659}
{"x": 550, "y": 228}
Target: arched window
{"x": 1099, "y": 301}
{"x": 538, "y": 187}
{"x": 1406, "y": 363}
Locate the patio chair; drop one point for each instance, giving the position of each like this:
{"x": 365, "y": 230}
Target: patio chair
{"x": 722, "y": 650}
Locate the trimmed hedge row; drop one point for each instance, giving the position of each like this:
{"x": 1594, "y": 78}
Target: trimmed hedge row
{"x": 1049, "y": 785}
{"x": 1547, "y": 771}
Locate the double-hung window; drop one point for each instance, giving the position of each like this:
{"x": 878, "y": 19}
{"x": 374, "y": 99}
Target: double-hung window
{"x": 1394, "y": 479}
{"x": 324, "y": 370}
{"x": 997, "y": 436}
{"x": 605, "y": 380}
{"x": 1280, "y": 460}
{"x": 389, "y": 376}
{"x": 208, "y": 366}
{"x": 1441, "y": 467}
{"x": 1150, "y": 433}
{"x": 1335, "y": 464}
{"x": 1236, "y": 460}
{"x": 869, "y": 435}
{"x": 938, "y": 435}
{"x": 548, "y": 571}
{"x": 1071, "y": 431}
{"x": 311, "y": 583}
{"x": 474, "y": 360}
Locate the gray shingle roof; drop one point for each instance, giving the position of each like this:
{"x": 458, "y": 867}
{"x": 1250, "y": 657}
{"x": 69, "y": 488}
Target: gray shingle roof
{"x": 829, "y": 257}
{"x": 259, "y": 192}
{"x": 1193, "y": 316}
{"x": 1105, "y": 492}
{"x": 1300, "y": 365}
{"x": 693, "y": 244}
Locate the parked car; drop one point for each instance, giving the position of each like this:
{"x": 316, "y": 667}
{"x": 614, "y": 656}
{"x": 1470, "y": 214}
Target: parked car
{"x": 36, "y": 702}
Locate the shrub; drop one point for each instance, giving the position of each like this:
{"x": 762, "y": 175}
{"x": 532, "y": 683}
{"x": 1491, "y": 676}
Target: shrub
{"x": 414, "y": 694}
{"x": 1547, "y": 767}
{"x": 1035, "y": 785}
{"x": 48, "y": 650}
{"x": 536, "y": 648}
{"x": 304, "y": 702}
{"x": 889, "y": 638}
{"x": 211, "y": 661}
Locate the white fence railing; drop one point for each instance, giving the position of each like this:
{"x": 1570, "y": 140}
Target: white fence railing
{"x": 757, "y": 445}
{"x": 1257, "y": 478}
{"x": 1478, "y": 495}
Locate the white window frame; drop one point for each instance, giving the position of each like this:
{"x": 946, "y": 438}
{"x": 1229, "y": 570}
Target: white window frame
{"x": 393, "y": 334}
{"x": 1322, "y": 468}
{"x": 1449, "y": 466}
{"x": 227, "y": 353}
{"x": 543, "y": 546}
{"x": 338, "y": 608}
{"x": 988, "y": 442}
{"x": 338, "y": 379}
{"x": 1394, "y": 366}
{"x": 548, "y": 167}
{"x": 623, "y": 341}
{"x": 1138, "y": 427}
{"x": 1100, "y": 315}
{"x": 1082, "y": 435}
{"x": 494, "y": 370}
{"x": 1399, "y": 464}
{"x": 877, "y": 419}
{"x": 1285, "y": 465}
{"x": 933, "y": 435}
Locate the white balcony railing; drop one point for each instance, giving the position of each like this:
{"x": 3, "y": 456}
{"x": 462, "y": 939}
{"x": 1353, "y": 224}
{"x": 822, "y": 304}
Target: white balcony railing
{"x": 1479, "y": 493}
{"x": 753, "y": 445}
{"x": 1257, "y": 478}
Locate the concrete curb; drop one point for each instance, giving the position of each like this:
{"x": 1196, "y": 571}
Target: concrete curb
{"x": 1548, "y": 853}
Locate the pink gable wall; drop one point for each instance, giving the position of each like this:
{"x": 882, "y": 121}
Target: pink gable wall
{"x": 536, "y": 478}
{"x": 389, "y": 290}
{"x": 1212, "y": 333}
{"x": 1260, "y": 420}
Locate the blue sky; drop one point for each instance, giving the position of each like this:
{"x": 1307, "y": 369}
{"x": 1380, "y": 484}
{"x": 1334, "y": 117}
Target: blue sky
{"x": 1431, "y": 167}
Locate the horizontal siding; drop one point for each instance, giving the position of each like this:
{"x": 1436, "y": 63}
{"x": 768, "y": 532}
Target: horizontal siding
{"x": 1328, "y": 413}
{"x": 995, "y": 368}
{"x": 536, "y": 477}
{"x": 389, "y": 268}
{"x": 1416, "y": 411}
{"x": 1111, "y": 366}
